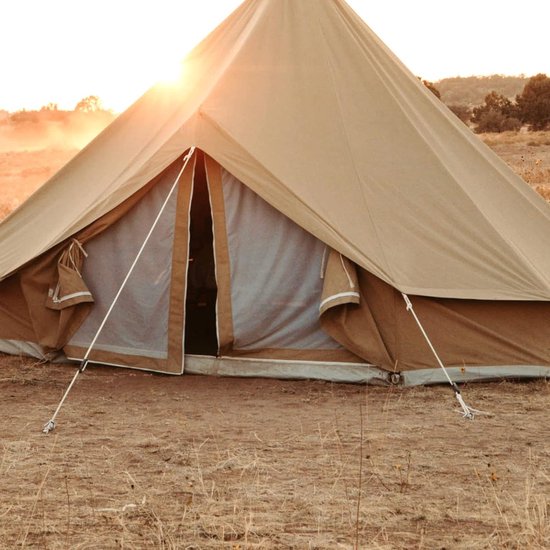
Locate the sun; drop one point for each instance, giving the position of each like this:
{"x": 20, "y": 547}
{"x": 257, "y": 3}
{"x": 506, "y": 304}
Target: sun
{"x": 141, "y": 74}
{"x": 167, "y": 71}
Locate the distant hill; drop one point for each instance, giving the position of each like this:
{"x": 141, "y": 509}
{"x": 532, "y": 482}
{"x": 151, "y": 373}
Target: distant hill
{"x": 472, "y": 90}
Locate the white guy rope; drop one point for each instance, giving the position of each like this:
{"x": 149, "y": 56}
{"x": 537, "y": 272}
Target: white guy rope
{"x": 50, "y": 425}
{"x": 467, "y": 411}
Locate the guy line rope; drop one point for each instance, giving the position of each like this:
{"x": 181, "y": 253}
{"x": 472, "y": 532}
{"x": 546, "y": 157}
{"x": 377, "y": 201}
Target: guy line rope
{"x": 467, "y": 412}
{"x": 50, "y": 425}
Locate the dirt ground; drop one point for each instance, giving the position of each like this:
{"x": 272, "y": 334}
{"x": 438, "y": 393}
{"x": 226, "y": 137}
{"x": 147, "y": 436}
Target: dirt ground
{"x": 149, "y": 461}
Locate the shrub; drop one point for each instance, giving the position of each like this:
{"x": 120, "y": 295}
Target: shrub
{"x": 463, "y": 112}
{"x": 494, "y": 121}
{"x": 432, "y": 88}
{"x": 534, "y": 103}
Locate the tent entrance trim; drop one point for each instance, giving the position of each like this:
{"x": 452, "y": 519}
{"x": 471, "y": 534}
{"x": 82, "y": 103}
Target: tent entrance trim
{"x": 251, "y": 285}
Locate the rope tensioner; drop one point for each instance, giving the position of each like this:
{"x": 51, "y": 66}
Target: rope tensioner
{"x": 467, "y": 412}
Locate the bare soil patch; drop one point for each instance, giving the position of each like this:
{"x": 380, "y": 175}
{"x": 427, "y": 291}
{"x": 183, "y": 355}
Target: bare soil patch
{"x": 146, "y": 461}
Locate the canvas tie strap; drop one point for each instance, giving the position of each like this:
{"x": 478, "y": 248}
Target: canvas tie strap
{"x": 70, "y": 254}
{"x": 70, "y": 259}
{"x": 50, "y": 425}
{"x": 467, "y": 412}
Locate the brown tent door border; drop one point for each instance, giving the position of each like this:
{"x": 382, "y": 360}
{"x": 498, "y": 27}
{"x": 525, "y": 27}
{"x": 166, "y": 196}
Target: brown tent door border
{"x": 175, "y": 361}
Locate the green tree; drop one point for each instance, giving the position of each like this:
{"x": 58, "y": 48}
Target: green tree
{"x": 494, "y": 102}
{"x": 497, "y": 114}
{"x": 463, "y": 112}
{"x": 89, "y": 104}
{"x": 493, "y": 121}
{"x": 534, "y": 103}
{"x": 432, "y": 88}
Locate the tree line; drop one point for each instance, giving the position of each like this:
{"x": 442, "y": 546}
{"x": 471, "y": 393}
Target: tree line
{"x": 499, "y": 113}
{"x": 51, "y": 112}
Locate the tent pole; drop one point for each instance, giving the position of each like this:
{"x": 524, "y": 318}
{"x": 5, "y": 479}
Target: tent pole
{"x": 50, "y": 425}
{"x": 467, "y": 411}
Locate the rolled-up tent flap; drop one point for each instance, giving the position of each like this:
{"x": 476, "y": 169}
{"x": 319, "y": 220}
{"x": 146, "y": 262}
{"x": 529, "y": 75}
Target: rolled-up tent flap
{"x": 466, "y": 333}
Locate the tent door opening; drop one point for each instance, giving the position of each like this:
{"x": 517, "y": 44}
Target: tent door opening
{"x": 200, "y": 314}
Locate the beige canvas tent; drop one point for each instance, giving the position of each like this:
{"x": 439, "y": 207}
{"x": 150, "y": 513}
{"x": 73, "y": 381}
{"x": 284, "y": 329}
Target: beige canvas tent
{"x": 324, "y": 181}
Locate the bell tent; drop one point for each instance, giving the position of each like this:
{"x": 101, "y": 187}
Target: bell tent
{"x": 297, "y": 186}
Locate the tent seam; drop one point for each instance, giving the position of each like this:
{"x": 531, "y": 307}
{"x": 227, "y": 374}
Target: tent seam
{"x": 348, "y": 147}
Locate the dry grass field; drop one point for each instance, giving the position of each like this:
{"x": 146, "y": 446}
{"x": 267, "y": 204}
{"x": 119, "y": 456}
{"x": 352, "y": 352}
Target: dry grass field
{"x": 33, "y": 149}
{"x": 144, "y": 461}
{"x": 528, "y": 154}
{"x": 23, "y": 172}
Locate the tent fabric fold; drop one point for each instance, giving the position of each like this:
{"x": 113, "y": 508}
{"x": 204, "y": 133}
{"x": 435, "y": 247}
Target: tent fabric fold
{"x": 70, "y": 288}
{"x": 464, "y": 332}
{"x": 340, "y": 284}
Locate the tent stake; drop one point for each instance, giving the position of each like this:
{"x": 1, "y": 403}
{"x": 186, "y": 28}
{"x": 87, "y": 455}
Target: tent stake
{"x": 467, "y": 412}
{"x": 50, "y": 425}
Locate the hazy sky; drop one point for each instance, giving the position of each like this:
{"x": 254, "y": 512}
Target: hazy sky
{"x": 63, "y": 50}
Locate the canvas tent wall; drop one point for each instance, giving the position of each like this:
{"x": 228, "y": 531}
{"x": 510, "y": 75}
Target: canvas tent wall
{"x": 306, "y": 110}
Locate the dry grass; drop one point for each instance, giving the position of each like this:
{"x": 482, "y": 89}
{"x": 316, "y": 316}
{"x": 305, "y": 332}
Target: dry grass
{"x": 528, "y": 154}
{"x": 142, "y": 461}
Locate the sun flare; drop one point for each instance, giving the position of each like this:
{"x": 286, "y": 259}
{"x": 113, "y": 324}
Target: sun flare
{"x": 167, "y": 72}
